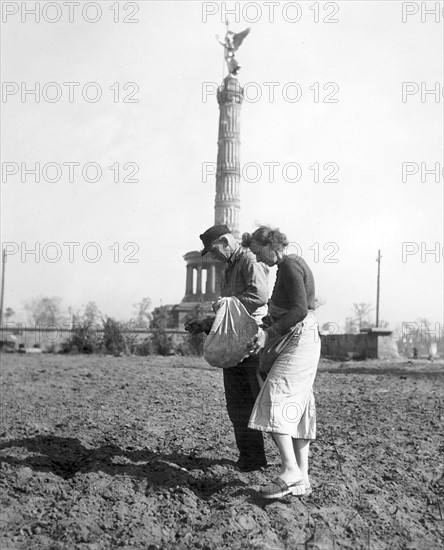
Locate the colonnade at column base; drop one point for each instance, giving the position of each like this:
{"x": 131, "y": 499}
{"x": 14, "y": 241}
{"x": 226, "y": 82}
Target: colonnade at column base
{"x": 202, "y": 286}
{"x": 203, "y": 277}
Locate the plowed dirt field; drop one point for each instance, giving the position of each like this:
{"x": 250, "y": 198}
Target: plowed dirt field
{"x": 102, "y": 452}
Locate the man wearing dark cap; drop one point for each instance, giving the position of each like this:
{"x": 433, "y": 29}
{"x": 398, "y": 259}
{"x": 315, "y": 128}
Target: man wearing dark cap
{"x": 246, "y": 279}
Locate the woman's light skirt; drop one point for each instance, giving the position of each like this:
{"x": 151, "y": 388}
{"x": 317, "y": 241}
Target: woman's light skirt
{"x": 286, "y": 403}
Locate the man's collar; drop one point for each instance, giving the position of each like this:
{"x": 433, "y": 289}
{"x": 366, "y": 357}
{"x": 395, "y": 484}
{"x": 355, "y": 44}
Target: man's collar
{"x": 235, "y": 256}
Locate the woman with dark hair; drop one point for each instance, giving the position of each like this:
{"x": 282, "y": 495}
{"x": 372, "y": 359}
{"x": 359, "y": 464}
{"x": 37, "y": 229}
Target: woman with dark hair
{"x": 285, "y": 406}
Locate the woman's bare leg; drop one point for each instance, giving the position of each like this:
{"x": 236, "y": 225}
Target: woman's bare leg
{"x": 301, "y": 448}
{"x": 290, "y": 471}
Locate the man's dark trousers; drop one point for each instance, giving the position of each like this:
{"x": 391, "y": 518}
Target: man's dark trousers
{"x": 241, "y": 390}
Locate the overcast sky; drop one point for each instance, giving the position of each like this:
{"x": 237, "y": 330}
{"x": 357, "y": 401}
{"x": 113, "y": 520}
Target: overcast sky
{"x": 316, "y": 93}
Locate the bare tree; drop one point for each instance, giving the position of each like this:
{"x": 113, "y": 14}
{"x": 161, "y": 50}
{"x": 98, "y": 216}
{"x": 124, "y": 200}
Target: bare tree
{"x": 360, "y": 314}
{"x": 351, "y": 326}
{"x": 45, "y": 310}
{"x": 142, "y": 315}
{"x": 91, "y": 313}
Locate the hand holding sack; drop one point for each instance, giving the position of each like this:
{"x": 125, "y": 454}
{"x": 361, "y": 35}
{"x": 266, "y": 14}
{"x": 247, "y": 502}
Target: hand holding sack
{"x": 275, "y": 346}
{"x": 227, "y": 343}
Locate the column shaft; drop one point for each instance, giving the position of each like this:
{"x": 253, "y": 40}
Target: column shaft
{"x": 189, "y": 285}
{"x": 213, "y": 279}
{"x": 199, "y": 280}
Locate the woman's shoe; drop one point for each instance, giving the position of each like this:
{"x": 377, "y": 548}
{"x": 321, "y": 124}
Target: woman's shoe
{"x": 278, "y": 488}
{"x": 308, "y": 490}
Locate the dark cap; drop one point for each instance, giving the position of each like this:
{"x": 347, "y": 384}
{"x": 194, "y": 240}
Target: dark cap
{"x": 211, "y": 235}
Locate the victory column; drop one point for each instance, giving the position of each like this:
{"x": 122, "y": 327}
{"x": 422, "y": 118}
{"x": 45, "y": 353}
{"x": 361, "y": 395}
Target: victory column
{"x": 227, "y": 201}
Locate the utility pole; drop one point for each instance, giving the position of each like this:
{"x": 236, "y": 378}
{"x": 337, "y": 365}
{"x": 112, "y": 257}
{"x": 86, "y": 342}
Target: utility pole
{"x": 3, "y": 284}
{"x": 378, "y": 259}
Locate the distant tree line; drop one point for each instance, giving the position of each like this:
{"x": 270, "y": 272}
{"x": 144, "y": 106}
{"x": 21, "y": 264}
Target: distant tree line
{"x": 91, "y": 331}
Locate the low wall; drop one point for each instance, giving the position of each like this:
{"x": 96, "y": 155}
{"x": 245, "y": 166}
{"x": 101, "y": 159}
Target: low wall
{"x": 359, "y": 346}
{"x": 349, "y": 346}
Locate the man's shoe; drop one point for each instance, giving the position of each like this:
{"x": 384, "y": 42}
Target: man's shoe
{"x": 246, "y": 466}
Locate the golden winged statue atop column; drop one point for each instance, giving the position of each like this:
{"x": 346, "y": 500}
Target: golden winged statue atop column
{"x": 231, "y": 45}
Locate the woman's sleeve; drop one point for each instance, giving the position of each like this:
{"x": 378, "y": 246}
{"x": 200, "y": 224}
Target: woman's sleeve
{"x": 292, "y": 280}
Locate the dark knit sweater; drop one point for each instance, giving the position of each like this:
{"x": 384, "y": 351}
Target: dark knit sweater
{"x": 294, "y": 290}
